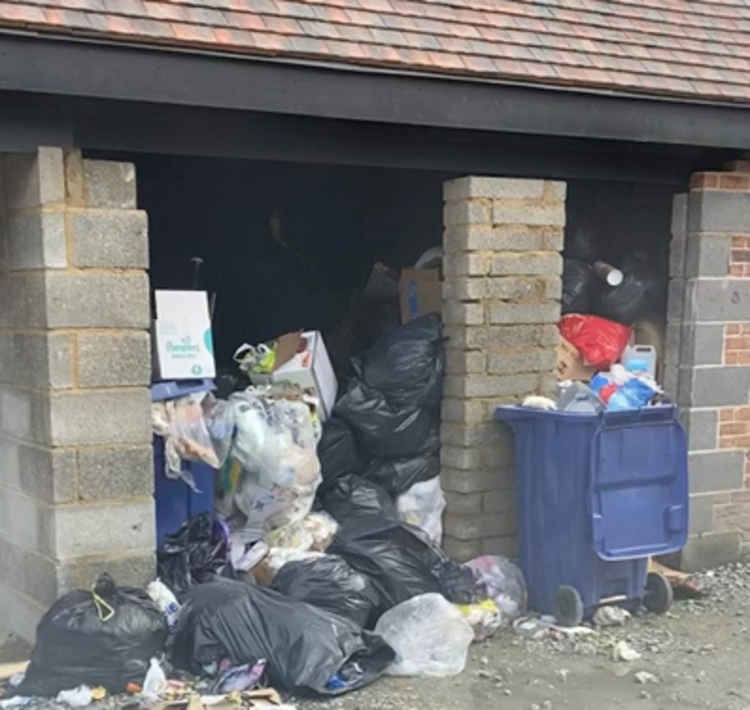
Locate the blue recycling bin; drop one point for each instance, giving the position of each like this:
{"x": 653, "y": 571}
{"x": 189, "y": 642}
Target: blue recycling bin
{"x": 598, "y": 495}
{"x": 175, "y": 501}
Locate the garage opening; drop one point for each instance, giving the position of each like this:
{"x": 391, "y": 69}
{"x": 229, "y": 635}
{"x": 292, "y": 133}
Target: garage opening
{"x": 283, "y": 247}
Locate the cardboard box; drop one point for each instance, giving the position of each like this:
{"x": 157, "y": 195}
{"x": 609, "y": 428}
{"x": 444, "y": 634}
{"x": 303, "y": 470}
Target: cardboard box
{"x": 310, "y": 369}
{"x": 420, "y": 292}
{"x": 183, "y": 345}
{"x": 570, "y": 365}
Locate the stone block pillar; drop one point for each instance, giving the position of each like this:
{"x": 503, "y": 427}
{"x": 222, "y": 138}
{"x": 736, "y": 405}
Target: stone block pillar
{"x": 501, "y": 304}
{"x": 707, "y": 360}
{"x": 76, "y": 473}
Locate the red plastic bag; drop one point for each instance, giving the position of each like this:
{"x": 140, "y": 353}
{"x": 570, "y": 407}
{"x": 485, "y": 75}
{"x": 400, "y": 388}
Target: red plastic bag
{"x": 600, "y": 341}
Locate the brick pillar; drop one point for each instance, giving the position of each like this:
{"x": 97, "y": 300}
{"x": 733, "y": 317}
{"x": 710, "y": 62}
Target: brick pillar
{"x": 75, "y": 458}
{"x": 501, "y": 303}
{"x": 707, "y": 364}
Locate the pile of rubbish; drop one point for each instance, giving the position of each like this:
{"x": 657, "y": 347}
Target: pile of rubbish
{"x": 600, "y": 367}
{"x": 320, "y": 568}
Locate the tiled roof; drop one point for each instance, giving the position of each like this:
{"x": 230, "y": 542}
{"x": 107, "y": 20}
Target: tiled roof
{"x": 696, "y": 48}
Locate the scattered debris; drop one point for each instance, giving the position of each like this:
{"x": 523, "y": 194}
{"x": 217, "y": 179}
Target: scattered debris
{"x": 611, "y": 616}
{"x": 622, "y": 651}
{"x": 644, "y": 677}
{"x": 542, "y": 626}
{"x": 563, "y": 674}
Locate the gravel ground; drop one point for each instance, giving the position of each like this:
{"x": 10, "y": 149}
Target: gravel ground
{"x": 696, "y": 654}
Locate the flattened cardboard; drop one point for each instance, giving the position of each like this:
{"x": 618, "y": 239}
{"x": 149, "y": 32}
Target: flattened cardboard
{"x": 570, "y": 364}
{"x": 420, "y": 292}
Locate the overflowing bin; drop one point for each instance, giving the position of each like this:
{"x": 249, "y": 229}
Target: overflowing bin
{"x": 175, "y": 501}
{"x": 598, "y": 495}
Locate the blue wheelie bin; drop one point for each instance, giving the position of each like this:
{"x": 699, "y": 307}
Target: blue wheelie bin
{"x": 175, "y": 501}
{"x": 597, "y": 495}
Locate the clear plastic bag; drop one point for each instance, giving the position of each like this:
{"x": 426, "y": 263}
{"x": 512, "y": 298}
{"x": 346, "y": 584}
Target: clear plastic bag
{"x": 183, "y": 425}
{"x": 295, "y": 535}
{"x": 428, "y": 634}
{"x": 323, "y": 529}
{"x": 422, "y": 506}
{"x": 275, "y": 443}
{"x": 503, "y": 582}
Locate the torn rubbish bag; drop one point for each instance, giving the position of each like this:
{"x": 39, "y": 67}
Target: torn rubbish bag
{"x": 103, "y": 637}
{"x": 353, "y": 497}
{"x": 401, "y": 561}
{"x": 406, "y": 365}
{"x": 306, "y": 648}
{"x": 329, "y": 583}
{"x": 195, "y": 554}
{"x": 599, "y": 341}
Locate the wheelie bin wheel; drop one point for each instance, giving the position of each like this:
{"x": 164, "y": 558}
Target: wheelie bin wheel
{"x": 569, "y": 606}
{"x": 659, "y": 594}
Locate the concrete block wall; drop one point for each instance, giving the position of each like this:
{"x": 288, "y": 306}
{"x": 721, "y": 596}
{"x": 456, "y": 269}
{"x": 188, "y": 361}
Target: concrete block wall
{"x": 501, "y": 302}
{"x": 75, "y": 457}
{"x": 707, "y": 359}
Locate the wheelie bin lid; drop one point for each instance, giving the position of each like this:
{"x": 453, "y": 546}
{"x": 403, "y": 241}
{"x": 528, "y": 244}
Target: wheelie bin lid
{"x": 171, "y": 389}
{"x": 637, "y": 482}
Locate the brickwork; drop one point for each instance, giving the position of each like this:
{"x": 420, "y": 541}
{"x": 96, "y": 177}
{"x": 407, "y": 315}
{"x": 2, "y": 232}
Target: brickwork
{"x": 707, "y": 366}
{"x": 75, "y": 457}
{"x": 739, "y": 263}
{"x": 501, "y": 296}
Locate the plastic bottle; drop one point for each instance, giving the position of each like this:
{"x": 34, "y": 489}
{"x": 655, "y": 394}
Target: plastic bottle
{"x": 162, "y": 596}
{"x": 155, "y": 682}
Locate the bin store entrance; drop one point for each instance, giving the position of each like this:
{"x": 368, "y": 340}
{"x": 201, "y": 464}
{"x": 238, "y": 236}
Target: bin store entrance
{"x": 290, "y": 246}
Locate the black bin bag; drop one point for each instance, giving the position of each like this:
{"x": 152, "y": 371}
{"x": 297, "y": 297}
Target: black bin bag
{"x": 579, "y": 287}
{"x": 337, "y": 451}
{"x": 384, "y": 429}
{"x": 638, "y": 295}
{"x": 401, "y": 561}
{"x": 353, "y": 497}
{"x": 308, "y": 650}
{"x": 407, "y": 364}
{"x": 196, "y": 553}
{"x": 329, "y": 583}
{"x": 398, "y": 475}
{"x": 105, "y": 637}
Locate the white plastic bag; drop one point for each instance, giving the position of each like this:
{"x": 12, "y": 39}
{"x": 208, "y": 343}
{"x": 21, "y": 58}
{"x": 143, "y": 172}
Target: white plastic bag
{"x": 422, "y": 505}
{"x": 429, "y": 636}
{"x": 502, "y": 581}
{"x": 78, "y": 697}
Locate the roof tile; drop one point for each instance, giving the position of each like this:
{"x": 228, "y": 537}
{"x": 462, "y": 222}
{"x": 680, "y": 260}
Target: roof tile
{"x": 699, "y": 49}
{"x": 69, "y": 19}
{"x": 193, "y": 33}
{"x": 16, "y": 13}
{"x": 282, "y": 25}
{"x": 165, "y": 10}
